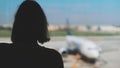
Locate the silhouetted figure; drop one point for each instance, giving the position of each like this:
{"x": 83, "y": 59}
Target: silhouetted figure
{"x": 30, "y": 27}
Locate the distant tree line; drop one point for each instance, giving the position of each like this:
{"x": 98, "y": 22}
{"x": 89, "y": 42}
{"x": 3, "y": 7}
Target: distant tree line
{"x": 5, "y": 28}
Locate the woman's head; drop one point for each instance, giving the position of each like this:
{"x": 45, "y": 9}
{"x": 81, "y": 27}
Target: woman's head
{"x": 30, "y": 24}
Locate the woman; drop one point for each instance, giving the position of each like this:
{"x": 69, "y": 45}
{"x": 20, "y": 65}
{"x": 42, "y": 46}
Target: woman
{"x": 30, "y": 27}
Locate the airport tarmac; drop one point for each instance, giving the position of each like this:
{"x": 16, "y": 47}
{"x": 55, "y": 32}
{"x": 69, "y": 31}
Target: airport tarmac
{"x": 109, "y": 45}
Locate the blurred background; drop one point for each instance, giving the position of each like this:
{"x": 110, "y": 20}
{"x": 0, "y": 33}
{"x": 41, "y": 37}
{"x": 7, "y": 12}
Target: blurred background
{"x": 96, "y": 20}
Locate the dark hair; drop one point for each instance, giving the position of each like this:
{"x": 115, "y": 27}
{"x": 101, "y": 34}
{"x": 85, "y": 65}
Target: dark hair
{"x": 30, "y": 24}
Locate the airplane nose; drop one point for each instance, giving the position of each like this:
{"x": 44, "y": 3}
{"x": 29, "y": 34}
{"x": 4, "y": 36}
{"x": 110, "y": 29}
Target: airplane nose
{"x": 92, "y": 54}
{"x": 95, "y": 54}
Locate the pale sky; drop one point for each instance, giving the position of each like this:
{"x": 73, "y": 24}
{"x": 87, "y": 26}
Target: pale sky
{"x": 77, "y": 11}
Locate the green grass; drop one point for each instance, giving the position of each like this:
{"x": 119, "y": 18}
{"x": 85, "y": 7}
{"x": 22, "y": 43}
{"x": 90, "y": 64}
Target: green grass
{"x": 7, "y": 33}
{"x": 63, "y": 33}
{"x": 57, "y": 33}
{"x": 96, "y": 34}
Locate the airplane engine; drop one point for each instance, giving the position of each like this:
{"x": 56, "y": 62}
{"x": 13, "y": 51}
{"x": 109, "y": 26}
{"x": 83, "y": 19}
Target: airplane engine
{"x": 63, "y": 52}
{"x": 88, "y": 60}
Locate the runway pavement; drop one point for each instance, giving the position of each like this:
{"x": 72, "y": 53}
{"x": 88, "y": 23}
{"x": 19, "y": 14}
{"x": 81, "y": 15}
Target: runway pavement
{"x": 110, "y": 45}
{"x": 110, "y": 55}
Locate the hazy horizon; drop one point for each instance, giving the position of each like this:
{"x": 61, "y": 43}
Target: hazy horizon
{"x": 85, "y": 12}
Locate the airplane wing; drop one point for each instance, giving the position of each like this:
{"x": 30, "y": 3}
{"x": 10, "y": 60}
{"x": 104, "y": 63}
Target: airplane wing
{"x": 56, "y": 45}
{"x": 108, "y": 45}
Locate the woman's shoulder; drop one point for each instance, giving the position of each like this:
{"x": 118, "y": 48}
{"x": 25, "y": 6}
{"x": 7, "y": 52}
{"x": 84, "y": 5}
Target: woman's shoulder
{"x": 54, "y": 58}
{"x": 5, "y": 45}
{"x": 50, "y": 51}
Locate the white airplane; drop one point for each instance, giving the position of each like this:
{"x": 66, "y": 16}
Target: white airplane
{"x": 87, "y": 49}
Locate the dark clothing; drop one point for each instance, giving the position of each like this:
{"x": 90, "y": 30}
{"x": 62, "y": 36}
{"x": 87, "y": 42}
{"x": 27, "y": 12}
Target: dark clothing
{"x": 12, "y": 56}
